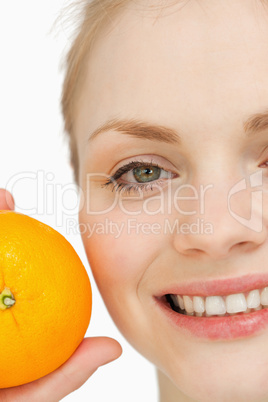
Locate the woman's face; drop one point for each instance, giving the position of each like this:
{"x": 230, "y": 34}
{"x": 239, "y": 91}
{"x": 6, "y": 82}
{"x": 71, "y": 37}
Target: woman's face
{"x": 188, "y": 215}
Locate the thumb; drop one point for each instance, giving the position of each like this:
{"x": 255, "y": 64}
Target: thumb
{"x": 6, "y": 200}
{"x": 90, "y": 354}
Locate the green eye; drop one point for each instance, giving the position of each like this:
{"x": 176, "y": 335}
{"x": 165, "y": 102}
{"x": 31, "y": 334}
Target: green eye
{"x": 146, "y": 174}
{"x": 139, "y": 176}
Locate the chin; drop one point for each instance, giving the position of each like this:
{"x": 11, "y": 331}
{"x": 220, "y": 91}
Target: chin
{"x": 221, "y": 371}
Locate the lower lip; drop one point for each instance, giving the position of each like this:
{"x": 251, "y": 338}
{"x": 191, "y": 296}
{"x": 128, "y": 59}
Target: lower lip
{"x": 216, "y": 328}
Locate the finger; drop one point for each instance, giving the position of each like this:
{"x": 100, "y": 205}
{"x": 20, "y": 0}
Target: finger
{"x": 94, "y": 352}
{"x": 6, "y": 200}
{"x": 90, "y": 354}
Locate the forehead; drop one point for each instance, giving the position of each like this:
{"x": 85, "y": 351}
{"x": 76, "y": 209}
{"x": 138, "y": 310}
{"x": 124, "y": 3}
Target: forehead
{"x": 206, "y": 60}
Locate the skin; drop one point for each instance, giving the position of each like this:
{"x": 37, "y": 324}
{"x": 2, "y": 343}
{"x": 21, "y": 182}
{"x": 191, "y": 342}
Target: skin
{"x": 200, "y": 68}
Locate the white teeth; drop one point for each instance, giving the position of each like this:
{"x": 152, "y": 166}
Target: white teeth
{"x": 181, "y": 303}
{"x": 175, "y": 300}
{"x": 178, "y": 301}
{"x": 215, "y": 305}
{"x": 258, "y": 308}
{"x": 264, "y": 297}
{"x": 253, "y": 299}
{"x": 199, "y": 304}
{"x": 188, "y": 303}
{"x": 236, "y": 303}
{"x": 207, "y": 315}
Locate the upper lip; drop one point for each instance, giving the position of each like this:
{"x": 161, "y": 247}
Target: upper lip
{"x": 219, "y": 287}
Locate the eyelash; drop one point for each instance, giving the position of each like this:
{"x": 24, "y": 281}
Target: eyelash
{"x": 127, "y": 188}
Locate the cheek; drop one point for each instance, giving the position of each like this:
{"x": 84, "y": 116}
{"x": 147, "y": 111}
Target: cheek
{"x": 109, "y": 260}
{"x": 118, "y": 265}
{"x": 119, "y": 245}
{"x": 119, "y": 258}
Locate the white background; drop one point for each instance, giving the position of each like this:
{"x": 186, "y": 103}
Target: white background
{"x": 33, "y": 146}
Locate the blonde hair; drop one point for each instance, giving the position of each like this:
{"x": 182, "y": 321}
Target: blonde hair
{"x": 93, "y": 16}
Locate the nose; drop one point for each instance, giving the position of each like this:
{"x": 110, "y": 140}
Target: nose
{"x": 226, "y": 226}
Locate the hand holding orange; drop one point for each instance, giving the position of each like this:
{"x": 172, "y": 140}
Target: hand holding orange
{"x": 45, "y": 299}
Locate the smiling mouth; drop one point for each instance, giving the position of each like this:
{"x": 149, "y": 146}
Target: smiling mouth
{"x": 221, "y": 306}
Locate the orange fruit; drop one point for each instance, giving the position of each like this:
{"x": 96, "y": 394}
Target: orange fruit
{"x": 45, "y": 299}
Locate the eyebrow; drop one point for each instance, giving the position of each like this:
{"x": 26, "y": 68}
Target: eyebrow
{"x": 254, "y": 124}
